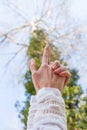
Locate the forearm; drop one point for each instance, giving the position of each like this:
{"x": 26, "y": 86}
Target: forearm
{"x": 47, "y": 111}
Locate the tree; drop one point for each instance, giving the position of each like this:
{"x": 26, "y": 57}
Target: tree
{"x": 72, "y": 92}
{"x": 37, "y": 43}
{"x": 54, "y": 17}
{"x": 76, "y": 104}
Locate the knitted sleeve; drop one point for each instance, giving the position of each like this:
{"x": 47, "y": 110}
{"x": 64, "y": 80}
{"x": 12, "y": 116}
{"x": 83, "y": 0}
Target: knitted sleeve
{"x": 47, "y": 111}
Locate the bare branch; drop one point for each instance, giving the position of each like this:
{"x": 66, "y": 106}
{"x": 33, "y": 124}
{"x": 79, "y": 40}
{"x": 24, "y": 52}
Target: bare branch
{"x": 43, "y": 6}
{"x": 13, "y": 57}
{"x": 9, "y": 34}
{"x": 16, "y": 10}
{"x": 18, "y": 29}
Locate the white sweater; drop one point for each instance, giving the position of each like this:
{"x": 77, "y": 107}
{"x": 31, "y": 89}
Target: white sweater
{"x": 47, "y": 111}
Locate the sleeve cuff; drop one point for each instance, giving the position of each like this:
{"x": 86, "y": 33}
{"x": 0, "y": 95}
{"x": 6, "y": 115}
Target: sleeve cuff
{"x": 46, "y": 91}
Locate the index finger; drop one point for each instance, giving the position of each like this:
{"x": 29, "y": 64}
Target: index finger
{"x": 46, "y": 54}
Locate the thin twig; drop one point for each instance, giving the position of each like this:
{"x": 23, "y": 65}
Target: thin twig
{"x": 13, "y": 57}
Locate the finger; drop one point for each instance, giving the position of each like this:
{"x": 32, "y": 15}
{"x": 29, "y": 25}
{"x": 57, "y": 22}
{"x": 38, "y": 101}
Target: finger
{"x": 32, "y": 64}
{"x": 60, "y": 69}
{"x": 66, "y": 81}
{"x": 66, "y": 74}
{"x": 56, "y": 65}
{"x": 46, "y": 54}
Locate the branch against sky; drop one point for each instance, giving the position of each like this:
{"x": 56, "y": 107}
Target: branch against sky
{"x": 52, "y": 16}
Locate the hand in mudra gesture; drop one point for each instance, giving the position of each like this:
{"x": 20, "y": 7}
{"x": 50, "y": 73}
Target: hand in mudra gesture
{"x": 50, "y": 74}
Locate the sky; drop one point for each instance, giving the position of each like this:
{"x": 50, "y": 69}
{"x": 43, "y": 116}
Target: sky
{"x": 11, "y": 87}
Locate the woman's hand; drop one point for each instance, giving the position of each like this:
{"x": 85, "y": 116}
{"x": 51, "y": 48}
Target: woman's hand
{"x": 48, "y": 75}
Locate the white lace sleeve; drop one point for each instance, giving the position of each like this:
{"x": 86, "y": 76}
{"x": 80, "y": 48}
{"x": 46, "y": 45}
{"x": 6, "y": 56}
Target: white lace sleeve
{"x": 47, "y": 111}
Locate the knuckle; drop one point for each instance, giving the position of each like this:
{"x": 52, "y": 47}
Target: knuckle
{"x": 60, "y": 69}
{"x": 44, "y": 65}
{"x": 56, "y": 61}
{"x": 64, "y": 68}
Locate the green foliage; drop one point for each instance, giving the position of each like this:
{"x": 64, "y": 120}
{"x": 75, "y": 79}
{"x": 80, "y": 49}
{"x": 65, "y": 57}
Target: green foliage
{"x": 71, "y": 96}
{"x": 76, "y": 112}
{"x": 29, "y": 87}
{"x": 76, "y": 115}
{"x": 74, "y": 78}
{"x": 37, "y": 44}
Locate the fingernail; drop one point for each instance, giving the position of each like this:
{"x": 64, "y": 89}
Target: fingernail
{"x": 47, "y": 46}
{"x": 53, "y": 67}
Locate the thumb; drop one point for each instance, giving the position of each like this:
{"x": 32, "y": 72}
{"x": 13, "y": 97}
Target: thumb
{"x": 32, "y": 65}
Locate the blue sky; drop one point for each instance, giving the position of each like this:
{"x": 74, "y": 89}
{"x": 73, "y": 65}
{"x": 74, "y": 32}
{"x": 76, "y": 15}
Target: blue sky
{"x": 11, "y": 88}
